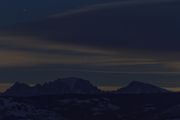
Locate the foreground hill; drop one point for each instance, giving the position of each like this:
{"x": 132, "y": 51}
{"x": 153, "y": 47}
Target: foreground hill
{"x": 12, "y": 110}
{"x": 92, "y": 107}
{"x": 77, "y": 99}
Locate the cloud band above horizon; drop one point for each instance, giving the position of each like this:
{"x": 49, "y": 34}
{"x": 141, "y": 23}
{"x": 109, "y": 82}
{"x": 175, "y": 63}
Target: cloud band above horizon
{"x": 95, "y": 42}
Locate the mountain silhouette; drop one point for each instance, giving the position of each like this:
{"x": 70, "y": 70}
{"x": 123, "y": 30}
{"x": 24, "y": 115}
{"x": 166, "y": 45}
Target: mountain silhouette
{"x": 57, "y": 87}
{"x": 137, "y": 87}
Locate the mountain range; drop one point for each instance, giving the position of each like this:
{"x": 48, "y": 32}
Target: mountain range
{"x": 60, "y": 86}
{"x": 77, "y": 86}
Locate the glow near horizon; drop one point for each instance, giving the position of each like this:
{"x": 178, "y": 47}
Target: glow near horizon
{"x": 5, "y": 86}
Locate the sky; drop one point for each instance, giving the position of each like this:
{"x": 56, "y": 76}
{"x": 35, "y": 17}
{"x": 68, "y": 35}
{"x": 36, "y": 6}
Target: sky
{"x": 110, "y": 43}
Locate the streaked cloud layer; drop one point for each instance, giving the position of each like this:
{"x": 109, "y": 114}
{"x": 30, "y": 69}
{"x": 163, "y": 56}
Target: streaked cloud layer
{"x": 47, "y": 59}
{"x": 116, "y": 44}
{"x": 26, "y": 51}
{"x": 109, "y": 5}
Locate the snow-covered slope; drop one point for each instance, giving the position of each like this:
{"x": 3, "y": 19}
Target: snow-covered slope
{"x": 12, "y": 110}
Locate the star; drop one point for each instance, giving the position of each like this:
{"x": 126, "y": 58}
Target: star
{"x": 25, "y": 10}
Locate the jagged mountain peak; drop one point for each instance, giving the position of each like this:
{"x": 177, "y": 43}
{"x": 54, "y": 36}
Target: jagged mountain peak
{"x": 20, "y": 84}
{"x": 70, "y": 85}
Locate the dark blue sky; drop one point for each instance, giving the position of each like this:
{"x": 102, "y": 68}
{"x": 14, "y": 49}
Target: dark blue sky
{"x": 13, "y": 12}
{"x": 108, "y": 42}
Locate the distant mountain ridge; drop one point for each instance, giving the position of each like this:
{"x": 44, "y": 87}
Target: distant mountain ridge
{"x": 137, "y": 87}
{"x": 78, "y": 86}
{"x": 59, "y": 86}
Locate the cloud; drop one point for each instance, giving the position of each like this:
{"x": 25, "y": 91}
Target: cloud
{"x": 28, "y": 42}
{"x": 108, "y": 5}
{"x": 22, "y": 51}
{"x": 106, "y": 71}
{"x": 31, "y": 51}
{"x": 27, "y": 51}
{"x": 33, "y": 54}
{"x": 9, "y": 58}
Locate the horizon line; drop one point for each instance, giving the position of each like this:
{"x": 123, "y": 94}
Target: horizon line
{"x": 108, "y": 88}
